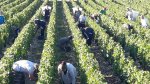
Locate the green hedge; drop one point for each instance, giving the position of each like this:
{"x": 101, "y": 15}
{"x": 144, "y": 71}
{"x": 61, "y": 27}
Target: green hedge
{"x": 46, "y": 68}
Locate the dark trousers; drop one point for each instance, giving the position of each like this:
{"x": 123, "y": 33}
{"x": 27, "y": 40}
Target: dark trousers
{"x": 17, "y": 77}
{"x": 81, "y": 25}
{"x": 42, "y": 32}
{"x": 46, "y": 17}
{"x": 89, "y": 41}
{"x": 42, "y": 29}
{"x": 83, "y": 32}
{"x": 76, "y": 18}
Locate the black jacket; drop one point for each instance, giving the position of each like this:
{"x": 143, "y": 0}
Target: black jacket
{"x": 89, "y": 33}
{"x": 40, "y": 24}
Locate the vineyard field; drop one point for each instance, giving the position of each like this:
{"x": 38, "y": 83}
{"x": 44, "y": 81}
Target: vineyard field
{"x": 117, "y": 55}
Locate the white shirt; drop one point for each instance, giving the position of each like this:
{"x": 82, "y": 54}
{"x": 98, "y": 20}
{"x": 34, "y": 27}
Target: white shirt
{"x": 130, "y": 15}
{"x": 45, "y": 7}
{"x": 82, "y": 18}
{"x": 76, "y": 9}
{"x": 144, "y": 22}
{"x": 80, "y": 9}
{"x": 70, "y": 76}
{"x": 24, "y": 66}
{"x": 134, "y": 15}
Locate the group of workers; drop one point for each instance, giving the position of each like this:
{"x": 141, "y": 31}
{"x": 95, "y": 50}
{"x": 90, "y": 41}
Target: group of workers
{"x": 87, "y": 32}
{"x": 132, "y": 16}
{"x": 24, "y": 68}
{"x": 41, "y": 24}
{"x": 66, "y": 71}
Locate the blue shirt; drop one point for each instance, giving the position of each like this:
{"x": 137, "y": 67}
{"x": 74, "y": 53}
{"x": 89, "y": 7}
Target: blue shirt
{"x": 2, "y": 19}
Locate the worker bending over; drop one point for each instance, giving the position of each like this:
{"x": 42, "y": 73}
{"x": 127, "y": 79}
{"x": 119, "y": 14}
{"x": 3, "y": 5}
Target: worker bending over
{"x": 82, "y": 21}
{"x": 40, "y": 24}
{"x": 24, "y": 67}
{"x": 46, "y": 12}
{"x": 64, "y": 43}
{"x": 89, "y": 34}
{"x": 67, "y": 72}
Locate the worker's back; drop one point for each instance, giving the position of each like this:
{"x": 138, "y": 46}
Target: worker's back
{"x": 64, "y": 43}
{"x": 63, "y": 40}
{"x": 68, "y": 76}
{"x": 40, "y": 23}
{"x": 90, "y": 32}
{"x": 47, "y": 12}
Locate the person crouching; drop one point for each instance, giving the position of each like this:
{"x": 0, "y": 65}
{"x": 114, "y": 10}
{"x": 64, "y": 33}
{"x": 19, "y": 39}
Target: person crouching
{"x": 81, "y": 21}
{"x": 64, "y": 43}
{"x": 67, "y": 72}
{"x": 89, "y": 34}
{"x": 46, "y": 12}
{"x": 23, "y": 67}
{"x": 41, "y": 24}
{"x": 95, "y": 17}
